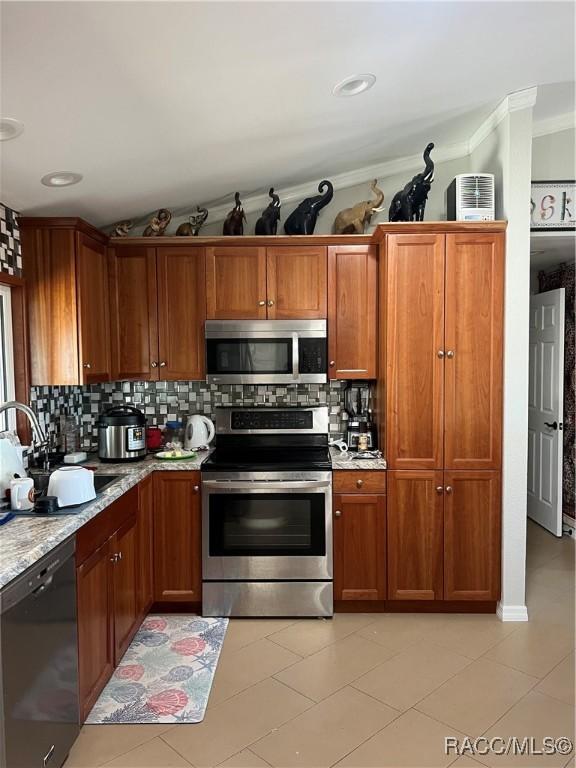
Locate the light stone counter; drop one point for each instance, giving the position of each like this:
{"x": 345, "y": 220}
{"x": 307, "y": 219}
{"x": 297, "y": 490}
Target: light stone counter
{"x": 344, "y": 460}
{"x": 24, "y": 540}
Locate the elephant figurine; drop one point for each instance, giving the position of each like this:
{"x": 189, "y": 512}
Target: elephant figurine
{"x": 191, "y": 228}
{"x": 409, "y": 203}
{"x": 352, "y": 221}
{"x": 234, "y": 223}
{"x": 302, "y": 220}
{"x": 158, "y": 224}
{"x": 121, "y": 228}
{"x": 267, "y": 224}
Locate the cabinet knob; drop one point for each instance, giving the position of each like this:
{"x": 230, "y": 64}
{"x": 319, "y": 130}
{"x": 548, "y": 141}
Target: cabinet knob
{"x": 359, "y": 483}
{"x": 440, "y": 353}
{"x": 87, "y": 365}
{"x": 261, "y": 303}
{"x": 332, "y": 363}
{"x": 119, "y": 555}
{"x": 271, "y": 302}
{"x": 153, "y": 364}
{"x": 439, "y": 489}
{"x": 337, "y": 513}
{"x": 114, "y": 558}
{"x": 196, "y": 488}
{"x": 450, "y": 354}
{"x": 163, "y": 364}
{"x": 448, "y": 489}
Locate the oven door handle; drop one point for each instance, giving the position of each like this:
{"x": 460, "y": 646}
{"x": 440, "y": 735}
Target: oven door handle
{"x": 246, "y": 485}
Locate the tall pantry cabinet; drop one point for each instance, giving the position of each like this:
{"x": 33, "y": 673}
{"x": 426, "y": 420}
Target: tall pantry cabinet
{"x": 442, "y": 322}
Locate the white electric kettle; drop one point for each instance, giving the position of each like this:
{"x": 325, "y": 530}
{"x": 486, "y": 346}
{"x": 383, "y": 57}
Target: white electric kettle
{"x": 199, "y": 432}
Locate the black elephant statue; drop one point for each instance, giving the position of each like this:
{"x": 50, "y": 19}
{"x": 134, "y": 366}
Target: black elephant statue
{"x": 410, "y": 202}
{"x": 267, "y": 224}
{"x": 234, "y": 222}
{"x": 302, "y": 220}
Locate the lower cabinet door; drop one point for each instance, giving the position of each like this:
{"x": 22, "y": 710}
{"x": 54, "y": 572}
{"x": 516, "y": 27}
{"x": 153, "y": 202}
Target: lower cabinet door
{"x": 126, "y": 610}
{"x": 415, "y": 535}
{"x": 95, "y": 630}
{"x": 177, "y": 540}
{"x": 145, "y": 558}
{"x": 472, "y": 550}
{"x": 359, "y": 546}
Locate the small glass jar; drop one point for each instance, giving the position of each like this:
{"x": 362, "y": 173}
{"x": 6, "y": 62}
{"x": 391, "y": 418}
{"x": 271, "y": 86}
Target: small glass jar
{"x": 174, "y": 434}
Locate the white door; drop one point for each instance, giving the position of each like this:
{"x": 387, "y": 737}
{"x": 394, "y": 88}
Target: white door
{"x": 545, "y": 409}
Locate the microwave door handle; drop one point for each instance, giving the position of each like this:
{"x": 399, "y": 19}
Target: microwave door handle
{"x": 240, "y": 485}
{"x": 295, "y": 356}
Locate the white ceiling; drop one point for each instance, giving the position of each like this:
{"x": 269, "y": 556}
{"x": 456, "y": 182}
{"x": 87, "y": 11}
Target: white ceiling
{"x": 174, "y": 104}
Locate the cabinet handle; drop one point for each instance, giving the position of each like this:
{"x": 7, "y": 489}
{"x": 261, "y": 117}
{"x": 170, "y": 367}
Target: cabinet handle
{"x": 440, "y": 353}
{"x": 332, "y": 363}
{"x": 439, "y": 489}
{"x": 196, "y": 488}
{"x": 261, "y": 303}
{"x": 87, "y": 365}
{"x": 448, "y": 489}
{"x": 337, "y": 513}
{"x": 119, "y": 555}
{"x": 271, "y": 302}
{"x": 163, "y": 364}
{"x": 359, "y": 483}
{"x": 153, "y": 364}
{"x": 450, "y": 354}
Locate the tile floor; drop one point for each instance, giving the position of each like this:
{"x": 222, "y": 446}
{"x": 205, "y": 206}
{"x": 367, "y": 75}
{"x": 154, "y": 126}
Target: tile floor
{"x": 376, "y": 690}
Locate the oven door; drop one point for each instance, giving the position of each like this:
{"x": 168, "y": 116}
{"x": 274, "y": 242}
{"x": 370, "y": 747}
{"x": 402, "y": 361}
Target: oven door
{"x": 267, "y": 530}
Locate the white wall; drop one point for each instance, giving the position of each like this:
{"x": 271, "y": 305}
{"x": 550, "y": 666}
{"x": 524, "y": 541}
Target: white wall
{"x": 553, "y": 156}
{"x": 506, "y": 151}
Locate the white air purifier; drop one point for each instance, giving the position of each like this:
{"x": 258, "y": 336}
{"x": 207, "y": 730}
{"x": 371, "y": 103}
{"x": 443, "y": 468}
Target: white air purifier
{"x": 470, "y": 197}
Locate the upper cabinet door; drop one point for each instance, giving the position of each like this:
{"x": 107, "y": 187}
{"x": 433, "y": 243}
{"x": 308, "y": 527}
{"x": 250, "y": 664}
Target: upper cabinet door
{"x": 352, "y": 311}
{"x": 236, "y": 283}
{"x": 93, "y": 310}
{"x": 473, "y": 363}
{"x": 414, "y": 351}
{"x": 135, "y": 328}
{"x": 296, "y": 282}
{"x": 181, "y": 312}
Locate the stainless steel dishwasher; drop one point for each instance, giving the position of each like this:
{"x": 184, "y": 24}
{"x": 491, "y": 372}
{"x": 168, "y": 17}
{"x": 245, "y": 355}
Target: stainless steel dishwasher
{"x": 39, "y": 713}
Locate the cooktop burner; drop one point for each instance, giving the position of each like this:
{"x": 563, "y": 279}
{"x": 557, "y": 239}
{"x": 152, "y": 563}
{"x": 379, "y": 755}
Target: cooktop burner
{"x": 254, "y": 460}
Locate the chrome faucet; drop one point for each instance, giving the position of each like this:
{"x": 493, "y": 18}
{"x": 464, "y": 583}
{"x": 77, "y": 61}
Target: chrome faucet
{"x": 40, "y": 434}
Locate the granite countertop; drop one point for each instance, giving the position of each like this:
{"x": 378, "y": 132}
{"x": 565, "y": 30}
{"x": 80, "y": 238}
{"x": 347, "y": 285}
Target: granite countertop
{"x": 24, "y": 540}
{"x": 345, "y": 460}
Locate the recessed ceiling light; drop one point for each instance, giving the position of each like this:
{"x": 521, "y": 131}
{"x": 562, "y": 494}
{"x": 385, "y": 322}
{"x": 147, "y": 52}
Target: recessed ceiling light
{"x": 61, "y": 179}
{"x": 10, "y": 128}
{"x": 353, "y": 85}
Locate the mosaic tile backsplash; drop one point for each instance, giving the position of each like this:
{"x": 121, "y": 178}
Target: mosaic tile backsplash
{"x": 163, "y": 401}
{"x": 10, "y": 253}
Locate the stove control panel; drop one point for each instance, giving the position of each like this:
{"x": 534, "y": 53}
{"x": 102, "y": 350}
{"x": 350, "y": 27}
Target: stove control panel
{"x": 267, "y": 418}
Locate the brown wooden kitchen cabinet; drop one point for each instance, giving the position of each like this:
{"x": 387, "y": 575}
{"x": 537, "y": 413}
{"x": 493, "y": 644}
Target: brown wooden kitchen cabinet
{"x": 159, "y": 307}
{"x": 444, "y": 350}
{"x": 352, "y": 311}
{"x": 106, "y": 579}
{"x": 177, "y": 537}
{"x": 278, "y": 283}
{"x": 66, "y": 271}
{"x": 145, "y": 586}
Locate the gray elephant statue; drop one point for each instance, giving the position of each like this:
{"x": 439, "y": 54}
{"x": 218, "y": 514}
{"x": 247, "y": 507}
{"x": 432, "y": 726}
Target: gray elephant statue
{"x": 121, "y": 228}
{"x": 302, "y": 220}
{"x": 234, "y": 223}
{"x": 409, "y": 203}
{"x": 352, "y": 221}
{"x": 191, "y": 228}
{"x": 267, "y": 224}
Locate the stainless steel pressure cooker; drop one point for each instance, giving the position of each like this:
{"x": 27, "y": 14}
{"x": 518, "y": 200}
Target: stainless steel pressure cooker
{"x": 122, "y": 434}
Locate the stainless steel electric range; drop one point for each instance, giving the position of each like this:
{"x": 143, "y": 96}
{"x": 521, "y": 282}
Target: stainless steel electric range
{"x": 267, "y": 514}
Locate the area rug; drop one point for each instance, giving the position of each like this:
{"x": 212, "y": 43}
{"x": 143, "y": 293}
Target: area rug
{"x": 166, "y": 674}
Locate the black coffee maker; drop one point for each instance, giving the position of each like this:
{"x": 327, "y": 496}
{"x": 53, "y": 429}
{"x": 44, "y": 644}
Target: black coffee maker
{"x": 358, "y": 403}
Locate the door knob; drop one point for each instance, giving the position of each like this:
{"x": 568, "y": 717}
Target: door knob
{"x": 450, "y": 354}
{"x": 554, "y": 424}
{"x": 337, "y": 513}
{"x": 440, "y": 353}
{"x": 87, "y": 365}
{"x": 448, "y": 489}
{"x": 153, "y": 364}
{"x": 261, "y": 303}
{"x": 332, "y": 363}
{"x": 439, "y": 489}
{"x": 271, "y": 302}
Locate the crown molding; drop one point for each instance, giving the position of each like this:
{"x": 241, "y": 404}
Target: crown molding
{"x": 512, "y": 103}
{"x": 555, "y": 124}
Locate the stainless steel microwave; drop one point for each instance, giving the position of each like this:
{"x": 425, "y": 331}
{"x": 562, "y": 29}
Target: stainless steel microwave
{"x": 266, "y": 352}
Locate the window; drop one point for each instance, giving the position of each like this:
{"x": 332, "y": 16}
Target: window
{"x": 7, "y": 420}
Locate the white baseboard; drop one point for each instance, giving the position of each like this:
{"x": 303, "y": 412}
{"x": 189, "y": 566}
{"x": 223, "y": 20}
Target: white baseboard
{"x": 512, "y": 612}
{"x": 569, "y": 527}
